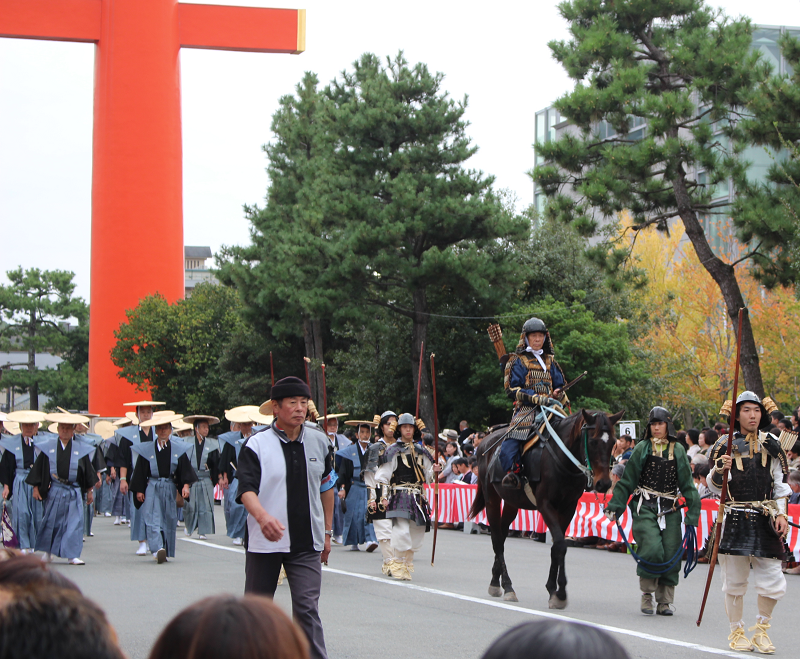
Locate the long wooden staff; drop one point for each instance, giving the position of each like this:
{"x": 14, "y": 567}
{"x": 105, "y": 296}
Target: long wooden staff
{"x": 724, "y": 493}
{"x": 271, "y": 369}
{"x": 306, "y": 361}
{"x": 324, "y": 399}
{"x": 435, "y": 460}
{"x": 419, "y": 376}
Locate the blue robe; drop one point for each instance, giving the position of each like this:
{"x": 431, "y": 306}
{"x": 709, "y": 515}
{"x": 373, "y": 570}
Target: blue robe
{"x": 27, "y": 512}
{"x": 199, "y": 507}
{"x": 356, "y": 530}
{"x": 131, "y": 433}
{"x": 235, "y": 513}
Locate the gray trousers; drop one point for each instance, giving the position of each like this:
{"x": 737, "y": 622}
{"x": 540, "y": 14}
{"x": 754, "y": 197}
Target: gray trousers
{"x": 304, "y": 574}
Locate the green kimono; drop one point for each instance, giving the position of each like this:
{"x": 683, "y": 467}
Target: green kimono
{"x": 656, "y": 544}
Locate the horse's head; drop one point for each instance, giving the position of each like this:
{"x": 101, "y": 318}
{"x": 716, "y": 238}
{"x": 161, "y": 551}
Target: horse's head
{"x": 597, "y": 437}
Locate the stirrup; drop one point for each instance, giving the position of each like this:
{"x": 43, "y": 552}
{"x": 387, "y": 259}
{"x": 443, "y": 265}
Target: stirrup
{"x": 511, "y": 481}
{"x": 739, "y": 641}
{"x": 760, "y": 640}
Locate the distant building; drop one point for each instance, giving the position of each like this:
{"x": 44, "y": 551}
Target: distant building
{"x": 196, "y": 270}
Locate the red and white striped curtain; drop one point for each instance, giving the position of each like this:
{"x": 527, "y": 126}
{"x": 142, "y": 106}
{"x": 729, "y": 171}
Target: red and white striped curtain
{"x": 455, "y": 501}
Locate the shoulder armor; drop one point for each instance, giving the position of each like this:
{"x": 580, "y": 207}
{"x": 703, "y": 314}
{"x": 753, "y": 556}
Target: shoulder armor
{"x": 719, "y": 448}
{"x": 773, "y": 446}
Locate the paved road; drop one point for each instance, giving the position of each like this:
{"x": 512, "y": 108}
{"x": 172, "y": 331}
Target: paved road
{"x": 446, "y": 604}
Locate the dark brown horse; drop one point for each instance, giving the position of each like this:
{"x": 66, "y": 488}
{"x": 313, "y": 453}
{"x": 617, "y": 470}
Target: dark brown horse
{"x": 589, "y": 437}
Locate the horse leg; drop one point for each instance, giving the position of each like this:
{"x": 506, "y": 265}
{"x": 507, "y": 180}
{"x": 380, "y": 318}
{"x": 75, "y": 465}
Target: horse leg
{"x": 509, "y": 515}
{"x": 557, "y": 580}
{"x": 494, "y": 518}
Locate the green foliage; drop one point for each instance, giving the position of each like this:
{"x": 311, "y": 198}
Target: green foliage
{"x": 173, "y": 350}
{"x": 766, "y": 209}
{"x": 36, "y": 306}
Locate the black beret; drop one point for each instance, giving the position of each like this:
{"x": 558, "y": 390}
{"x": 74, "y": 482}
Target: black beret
{"x": 289, "y": 388}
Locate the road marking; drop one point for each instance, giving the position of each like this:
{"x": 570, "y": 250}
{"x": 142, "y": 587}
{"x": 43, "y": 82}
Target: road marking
{"x": 508, "y": 607}
{"x": 204, "y": 543}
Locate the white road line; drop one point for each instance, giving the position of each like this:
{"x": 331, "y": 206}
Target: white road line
{"x": 508, "y": 607}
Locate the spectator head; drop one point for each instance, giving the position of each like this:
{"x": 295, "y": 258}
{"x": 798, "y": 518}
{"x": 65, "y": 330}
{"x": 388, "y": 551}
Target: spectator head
{"x": 721, "y": 428}
{"x": 776, "y": 415}
{"x": 701, "y": 472}
{"x": 617, "y": 472}
{"x": 478, "y": 439}
{"x": 459, "y": 466}
{"x": 699, "y": 459}
{"x": 451, "y": 449}
{"x": 248, "y": 627}
{"x": 785, "y": 424}
{"x": 463, "y": 425}
{"x": 30, "y": 572}
{"x": 473, "y": 465}
{"x": 555, "y": 639}
{"x": 693, "y": 437}
{"x": 55, "y": 622}
{"x": 624, "y": 442}
{"x": 708, "y": 437}
{"x": 467, "y": 448}
{"x": 794, "y": 480}
{"x": 427, "y": 439}
{"x": 683, "y": 438}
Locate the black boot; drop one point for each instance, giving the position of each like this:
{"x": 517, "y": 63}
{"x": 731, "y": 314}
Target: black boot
{"x": 511, "y": 481}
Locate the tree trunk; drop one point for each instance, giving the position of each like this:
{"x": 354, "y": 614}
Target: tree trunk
{"x": 33, "y": 389}
{"x": 725, "y": 277}
{"x": 418, "y": 336}
{"x": 312, "y": 336}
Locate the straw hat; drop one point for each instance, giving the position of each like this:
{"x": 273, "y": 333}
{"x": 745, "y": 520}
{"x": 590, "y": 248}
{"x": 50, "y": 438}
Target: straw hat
{"x": 164, "y": 413}
{"x": 354, "y": 422}
{"x": 124, "y": 421}
{"x": 89, "y": 414}
{"x": 3, "y": 416}
{"x": 449, "y": 435}
{"x": 241, "y": 414}
{"x": 161, "y": 420}
{"x": 26, "y": 416}
{"x": 131, "y": 416}
{"x": 105, "y": 429}
{"x": 53, "y": 428}
{"x": 338, "y": 415}
{"x": 12, "y": 427}
{"x": 211, "y": 420}
{"x": 180, "y": 426}
{"x": 67, "y": 417}
{"x": 266, "y": 408}
{"x": 262, "y": 419}
{"x": 143, "y": 403}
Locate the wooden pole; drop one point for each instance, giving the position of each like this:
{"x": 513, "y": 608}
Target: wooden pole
{"x": 324, "y": 400}
{"x": 724, "y": 493}
{"x": 435, "y": 460}
{"x": 271, "y": 369}
{"x": 306, "y": 360}
{"x": 419, "y": 376}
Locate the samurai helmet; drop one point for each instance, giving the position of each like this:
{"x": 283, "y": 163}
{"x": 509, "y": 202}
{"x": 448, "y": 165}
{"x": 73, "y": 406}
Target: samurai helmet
{"x": 767, "y": 405}
{"x": 407, "y": 419}
{"x": 535, "y": 325}
{"x": 660, "y": 414}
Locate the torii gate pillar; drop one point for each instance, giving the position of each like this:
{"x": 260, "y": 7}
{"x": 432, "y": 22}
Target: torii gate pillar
{"x": 137, "y": 198}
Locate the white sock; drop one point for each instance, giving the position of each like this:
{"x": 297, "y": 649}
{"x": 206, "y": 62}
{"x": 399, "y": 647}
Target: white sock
{"x": 143, "y": 545}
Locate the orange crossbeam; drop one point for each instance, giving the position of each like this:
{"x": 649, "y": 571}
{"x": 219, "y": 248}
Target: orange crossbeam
{"x": 54, "y": 20}
{"x": 252, "y": 29}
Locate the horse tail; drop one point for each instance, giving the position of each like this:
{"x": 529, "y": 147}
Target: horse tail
{"x": 479, "y": 503}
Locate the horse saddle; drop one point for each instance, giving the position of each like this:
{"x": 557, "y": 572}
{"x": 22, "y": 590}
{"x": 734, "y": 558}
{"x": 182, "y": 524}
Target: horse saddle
{"x": 531, "y": 464}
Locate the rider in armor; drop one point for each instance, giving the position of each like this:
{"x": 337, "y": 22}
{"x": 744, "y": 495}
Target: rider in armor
{"x": 658, "y": 473}
{"x": 402, "y": 478}
{"x": 532, "y": 378}
{"x": 755, "y": 517}
{"x": 376, "y": 513}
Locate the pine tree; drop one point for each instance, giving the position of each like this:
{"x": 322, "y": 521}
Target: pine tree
{"x": 682, "y": 70}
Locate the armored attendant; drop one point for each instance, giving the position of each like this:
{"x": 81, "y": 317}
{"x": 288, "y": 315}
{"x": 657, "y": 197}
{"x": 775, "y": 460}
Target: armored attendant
{"x": 401, "y": 478}
{"x": 60, "y": 476}
{"x": 755, "y": 518}
{"x": 350, "y": 463}
{"x": 161, "y": 471}
{"x": 376, "y": 511}
{"x": 657, "y": 474}
{"x": 532, "y": 378}
{"x": 203, "y": 455}
{"x": 127, "y": 437}
{"x": 232, "y": 443}
{"x": 15, "y": 465}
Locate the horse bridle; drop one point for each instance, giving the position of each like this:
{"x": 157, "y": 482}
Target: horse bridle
{"x": 585, "y": 469}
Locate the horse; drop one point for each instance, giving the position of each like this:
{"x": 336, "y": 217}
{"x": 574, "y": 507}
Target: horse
{"x": 556, "y": 494}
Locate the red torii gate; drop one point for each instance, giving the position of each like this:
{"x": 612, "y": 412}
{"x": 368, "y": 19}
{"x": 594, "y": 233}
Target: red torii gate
{"x": 137, "y": 186}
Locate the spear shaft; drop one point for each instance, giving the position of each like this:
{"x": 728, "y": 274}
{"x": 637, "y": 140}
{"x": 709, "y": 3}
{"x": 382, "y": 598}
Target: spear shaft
{"x": 435, "y": 460}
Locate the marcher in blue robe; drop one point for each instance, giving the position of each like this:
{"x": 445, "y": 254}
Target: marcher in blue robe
{"x": 15, "y": 465}
{"x": 203, "y": 455}
{"x": 161, "y": 471}
{"x": 61, "y": 475}
{"x": 350, "y": 462}
{"x": 232, "y": 443}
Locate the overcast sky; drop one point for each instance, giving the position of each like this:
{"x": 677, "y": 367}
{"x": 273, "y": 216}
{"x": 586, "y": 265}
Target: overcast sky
{"x": 494, "y": 52}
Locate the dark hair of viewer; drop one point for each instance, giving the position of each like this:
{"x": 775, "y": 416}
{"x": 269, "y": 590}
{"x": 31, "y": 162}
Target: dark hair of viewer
{"x": 249, "y": 627}
{"x": 555, "y": 639}
{"x": 53, "y": 622}
{"x": 26, "y": 571}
